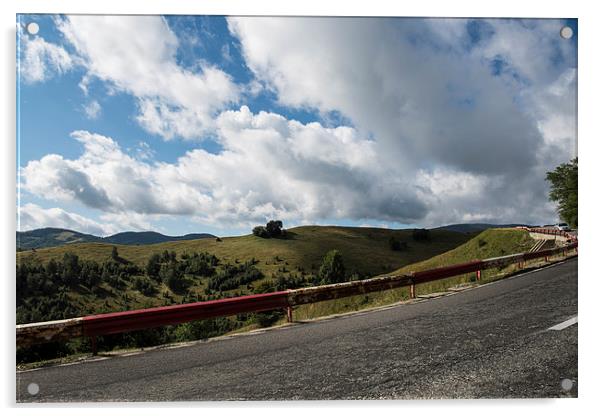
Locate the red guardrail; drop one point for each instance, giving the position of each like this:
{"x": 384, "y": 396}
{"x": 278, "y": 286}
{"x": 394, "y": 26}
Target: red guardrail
{"x": 118, "y": 322}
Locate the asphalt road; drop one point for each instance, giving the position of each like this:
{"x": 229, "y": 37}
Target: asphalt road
{"x": 489, "y": 342}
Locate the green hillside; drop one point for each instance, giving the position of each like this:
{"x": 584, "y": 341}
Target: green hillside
{"x": 493, "y": 242}
{"x": 489, "y": 243}
{"x": 90, "y": 278}
{"x": 238, "y": 265}
{"x": 365, "y": 250}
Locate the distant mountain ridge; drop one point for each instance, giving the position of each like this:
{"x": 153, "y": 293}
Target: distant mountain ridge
{"x": 53, "y": 237}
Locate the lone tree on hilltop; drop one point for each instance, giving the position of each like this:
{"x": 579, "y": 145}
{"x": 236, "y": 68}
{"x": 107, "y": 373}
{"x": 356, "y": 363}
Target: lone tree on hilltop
{"x": 272, "y": 229}
{"x": 563, "y": 190}
{"x": 332, "y": 269}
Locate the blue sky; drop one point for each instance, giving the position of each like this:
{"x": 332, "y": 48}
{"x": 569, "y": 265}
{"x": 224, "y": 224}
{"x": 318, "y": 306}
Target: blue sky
{"x": 212, "y": 124}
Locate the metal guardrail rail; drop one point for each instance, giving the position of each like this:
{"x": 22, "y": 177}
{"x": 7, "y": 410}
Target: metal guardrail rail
{"x": 119, "y": 322}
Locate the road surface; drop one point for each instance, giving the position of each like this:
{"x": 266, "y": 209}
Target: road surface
{"x": 493, "y": 341}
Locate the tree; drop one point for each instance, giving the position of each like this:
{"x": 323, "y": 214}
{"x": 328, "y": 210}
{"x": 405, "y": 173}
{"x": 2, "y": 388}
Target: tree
{"x": 172, "y": 276}
{"x": 274, "y": 228}
{"x": 332, "y": 269}
{"x": 563, "y": 190}
{"x": 153, "y": 266}
{"x": 260, "y": 231}
{"x": 71, "y": 269}
{"x": 114, "y": 253}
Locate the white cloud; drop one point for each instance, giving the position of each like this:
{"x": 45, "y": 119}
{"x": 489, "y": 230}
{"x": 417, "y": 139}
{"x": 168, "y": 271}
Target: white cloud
{"x": 40, "y": 59}
{"x": 137, "y": 55}
{"x": 270, "y": 167}
{"x": 427, "y": 94}
{"x": 435, "y": 136}
{"x": 92, "y": 110}
{"x": 32, "y": 216}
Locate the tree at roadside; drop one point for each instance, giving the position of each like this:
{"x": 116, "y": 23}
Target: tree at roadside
{"x": 332, "y": 269}
{"x": 563, "y": 190}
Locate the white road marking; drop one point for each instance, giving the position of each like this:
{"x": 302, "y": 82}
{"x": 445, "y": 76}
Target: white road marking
{"x": 564, "y": 324}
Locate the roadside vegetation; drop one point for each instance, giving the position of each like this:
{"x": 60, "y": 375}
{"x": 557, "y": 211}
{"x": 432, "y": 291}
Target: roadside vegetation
{"x": 564, "y": 191}
{"x": 489, "y": 243}
{"x": 71, "y": 281}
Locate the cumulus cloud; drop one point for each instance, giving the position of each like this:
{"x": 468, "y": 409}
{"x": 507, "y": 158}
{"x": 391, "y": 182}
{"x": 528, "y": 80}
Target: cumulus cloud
{"x": 40, "y": 60}
{"x": 448, "y": 121}
{"x": 137, "y": 55}
{"x": 452, "y": 100}
{"x": 270, "y": 167}
{"x": 32, "y": 216}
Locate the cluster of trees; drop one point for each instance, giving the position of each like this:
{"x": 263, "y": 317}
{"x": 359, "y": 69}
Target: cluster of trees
{"x": 42, "y": 289}
{"x": 165, "y": 267}
{"x": 43, "y": 293}
{"x": 35, "y": 279}
{"x": 273, "y": 229}
{"x": 232, "y": 276}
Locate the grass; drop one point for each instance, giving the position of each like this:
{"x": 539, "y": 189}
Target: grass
{"x": 363, "y": 248}
{"x": 489, "y": 243}
{"x": 365, "y": 252}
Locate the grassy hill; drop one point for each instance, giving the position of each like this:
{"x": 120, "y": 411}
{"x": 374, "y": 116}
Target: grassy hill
{"x": 365, "y": 250}
{"x": 489, "y": 243}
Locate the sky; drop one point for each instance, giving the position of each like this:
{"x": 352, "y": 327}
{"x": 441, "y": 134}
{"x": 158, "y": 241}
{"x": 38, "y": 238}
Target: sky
{"x": 182, "y": 124}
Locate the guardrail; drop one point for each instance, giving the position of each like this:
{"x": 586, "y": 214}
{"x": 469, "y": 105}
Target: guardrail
{"x": 119, "y": 322}
{"x": 551, "y": 231}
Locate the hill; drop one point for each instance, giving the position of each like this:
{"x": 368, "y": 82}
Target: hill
{"x": 492, "y": 242}
{"x": 50, "y": 237}
{"x": 476, "y": 227}
{"x": 119, "y": 280}
{"x": 53, "y": 237}
{"x": 365, "y": 251}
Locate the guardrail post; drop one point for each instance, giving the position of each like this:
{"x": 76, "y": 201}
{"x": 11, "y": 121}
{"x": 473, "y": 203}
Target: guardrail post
{"x": 289, "y": 314}
{"x": 478, "y": 275}
{"x": 94, "y": 345}
{"x": 412, "y": 291}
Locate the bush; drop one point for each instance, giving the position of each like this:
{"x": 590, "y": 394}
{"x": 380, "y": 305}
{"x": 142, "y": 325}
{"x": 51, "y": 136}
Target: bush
{"x": 144, "y": 286}
{"x": 332, "y": 269}
{"x": 260, "y": 231}
{"x": 153, "y": 266}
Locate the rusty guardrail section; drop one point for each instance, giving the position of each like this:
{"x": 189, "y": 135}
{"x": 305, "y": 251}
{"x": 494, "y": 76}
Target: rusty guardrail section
{"x": 119, "y": 322}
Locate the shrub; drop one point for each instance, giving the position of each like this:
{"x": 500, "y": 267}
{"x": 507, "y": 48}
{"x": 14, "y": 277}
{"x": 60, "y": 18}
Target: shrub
{"x": 144, "y": 286}
{"x": 332, "y": 269}
{"x": 260, "y": 231}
